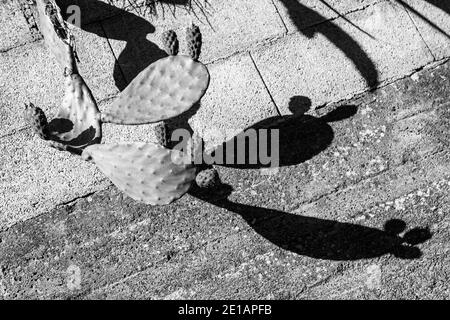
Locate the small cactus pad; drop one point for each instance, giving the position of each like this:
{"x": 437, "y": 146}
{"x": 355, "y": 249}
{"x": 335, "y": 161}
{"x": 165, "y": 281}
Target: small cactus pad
{"x": 144, "y": 171}
{"x": 77, "y": 123}
{"x": 56, "y": 33}
{"x": 170, "y": 42}
{"x": 165, "y": 89}
{"x": 162, "y": 134}
{"x": 36, "y": 118}
{"x": 208, "y": 178}
{"x": 194, "y": 41}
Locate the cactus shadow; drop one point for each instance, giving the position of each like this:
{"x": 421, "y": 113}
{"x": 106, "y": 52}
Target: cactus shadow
{"x": 60, "y": 126}
{"x": 300, "y": 138}
{"x": 322, "y": 238}
{"x": 121, "y": 25}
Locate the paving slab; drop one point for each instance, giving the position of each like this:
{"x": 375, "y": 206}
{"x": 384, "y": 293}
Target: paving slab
{"x": 30, "y": 74}
{"x": 35, "y": 177}
{"x": 191, "y": 249}
{"x": 14, "y": 28}
{"x": 236, "y": 98}
{"x": 431, "y": 18}
{"x": 249, "y": 245}
{"x": 390, "y": 278}
{"x": 347, "y": 169}
{"x": 233, "y": 114}
{"x": 97, "y": 62}
{"x": 335, "y": 60}
{"x": 344, "y": 143}
{"x": 91, "y": 11}
{"x": 299, "y": 14}
{"x": 227, "y": 27}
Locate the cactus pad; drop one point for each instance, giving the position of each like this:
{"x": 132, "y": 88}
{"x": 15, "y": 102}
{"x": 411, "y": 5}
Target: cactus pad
{"x": 165, "y": 89}
{"x": 194, "y": 41}
{"x": 162, "y": 134}
{"x": 170, "y": 42}
{"x": 144, "y": 171}
{"x": 36, "y": 118}
{"x": 56, "y": 33}
{"x": 208, "y": 178}
{"x": 77, "y": 123}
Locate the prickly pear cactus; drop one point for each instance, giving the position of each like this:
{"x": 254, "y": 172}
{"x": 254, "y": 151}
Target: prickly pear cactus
{"x": 170, "y": 42}
{"x": 165, "y": 89}
{"x": 194, "y": 41}
{"x": 56, "y": 34}
{"x": 77, "y": 123}
{"x": 144, "y": 171}
{"x": 36, "y": 118}
{"x": 162, "y": 134}
{"x": 208, "y": 178}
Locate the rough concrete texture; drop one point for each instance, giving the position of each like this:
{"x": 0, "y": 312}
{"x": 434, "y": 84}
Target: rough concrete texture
{"x": 225, "y": 25}
{"x": 97, "y": 62}
{"x": 431, "y": 18}
{"x": 28, "y": 74}
{"x": 243, "y": 102}
{"x": 299, "y": 14}
{"x": 34, "y": 177}
{"x": 14, "y": 28}
{"x": 236, "y": 93}
{"x": 334, "y": 60}
{"x": 269, "y": 239}
{"x": 320, "y": 226}
{"x": 91, "y": 11}
{"x": 66, "y": 177}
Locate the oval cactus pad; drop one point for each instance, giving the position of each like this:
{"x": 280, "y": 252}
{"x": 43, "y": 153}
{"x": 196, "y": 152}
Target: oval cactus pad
{"x": 77, "y": 123}
{"x": 165, "y": 89}
{"x": 56, "y": 33}
{"x": 144, "y": 171}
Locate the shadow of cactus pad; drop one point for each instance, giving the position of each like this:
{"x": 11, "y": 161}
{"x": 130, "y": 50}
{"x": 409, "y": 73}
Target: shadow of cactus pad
{"x": 56, "y": 33}
{"x": 144, "y": 171}
{"x": 165, "y": 89}
{"x": 77, "y": 123}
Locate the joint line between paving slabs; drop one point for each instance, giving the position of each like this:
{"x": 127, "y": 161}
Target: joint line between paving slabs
{"x": 265, "y": 85}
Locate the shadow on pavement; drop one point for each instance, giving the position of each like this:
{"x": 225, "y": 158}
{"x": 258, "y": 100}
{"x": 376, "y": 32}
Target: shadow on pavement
{"x": 322, "y": 238}
{"x": 138, "y": 52}
{"x": 301, "y": 15}
{"x": 301, "y": 137}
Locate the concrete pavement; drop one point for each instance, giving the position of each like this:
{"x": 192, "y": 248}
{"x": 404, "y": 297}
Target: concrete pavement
{"x": 379, "y": 156}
